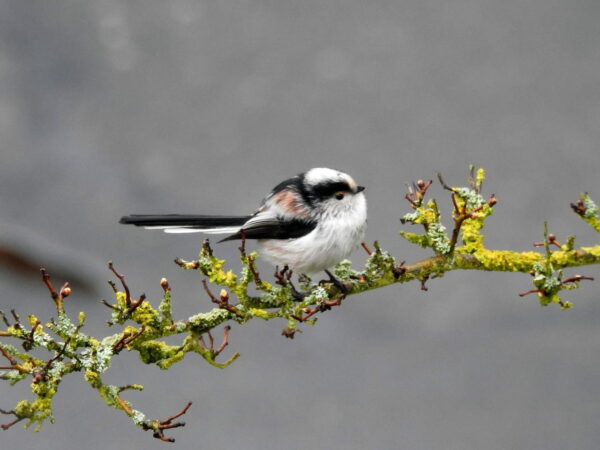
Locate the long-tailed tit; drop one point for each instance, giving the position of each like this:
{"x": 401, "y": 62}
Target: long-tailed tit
{"x": 309, "y": 222}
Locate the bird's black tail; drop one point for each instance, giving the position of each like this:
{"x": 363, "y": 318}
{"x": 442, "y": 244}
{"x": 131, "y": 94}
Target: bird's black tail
{"x": 182, "y": 223}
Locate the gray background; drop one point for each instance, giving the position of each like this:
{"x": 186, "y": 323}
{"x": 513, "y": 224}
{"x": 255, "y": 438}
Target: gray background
{"x": 113, "y": 107}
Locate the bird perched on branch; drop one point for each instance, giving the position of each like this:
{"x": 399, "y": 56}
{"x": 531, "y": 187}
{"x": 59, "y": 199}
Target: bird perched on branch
{"x": 308, "y": 223}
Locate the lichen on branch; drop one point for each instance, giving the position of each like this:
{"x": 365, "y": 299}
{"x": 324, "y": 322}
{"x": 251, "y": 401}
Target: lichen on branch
{"x": 142, "y": 328}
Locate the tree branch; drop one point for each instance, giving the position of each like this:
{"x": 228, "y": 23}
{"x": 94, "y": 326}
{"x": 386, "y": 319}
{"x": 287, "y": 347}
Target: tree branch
{"x": 144, "y": 327}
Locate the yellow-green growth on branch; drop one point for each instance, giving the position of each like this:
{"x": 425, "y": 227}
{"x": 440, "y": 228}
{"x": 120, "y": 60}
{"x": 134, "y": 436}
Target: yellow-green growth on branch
{"x": 143, "y": 327}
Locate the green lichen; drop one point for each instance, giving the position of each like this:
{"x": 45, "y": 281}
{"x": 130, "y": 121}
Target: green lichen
{"x": 435, "y": 236}
{"x": 38, "y": 411}
{"x": 590, "y": 212}
{"x": 23, "y": 409}
{"x": 479, "y": 178}
{"x": 497, "y": 260}
{"x": 417, "y": 239}
{"x": 260, "y": 313}
{"x": 146, "y": 315}
{"x": 151, "y": 352}
{"x": 203, "y": 322}
{"x": 143, "y": 328}
{"x": 165, "y": 307}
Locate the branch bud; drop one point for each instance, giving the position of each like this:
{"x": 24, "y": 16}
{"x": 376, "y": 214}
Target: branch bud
{"x": 65, "y": 291}
{"x": 224, "y": 296}
{"x": 164, "y": 284}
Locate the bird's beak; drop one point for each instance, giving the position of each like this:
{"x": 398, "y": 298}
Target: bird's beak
{"x": 359, "y": 189}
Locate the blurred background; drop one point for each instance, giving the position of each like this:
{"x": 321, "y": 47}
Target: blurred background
{"x": 190, "y": 106}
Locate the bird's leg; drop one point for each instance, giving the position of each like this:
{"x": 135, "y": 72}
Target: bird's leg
{"x": 298, "y": 295}
{"x": 284, "y": 278}
{"x": 337, "y": 283}
{"x": 325, "y": 305}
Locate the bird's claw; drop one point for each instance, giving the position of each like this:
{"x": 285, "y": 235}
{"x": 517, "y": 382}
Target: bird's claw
{"x": 336, "y": 282}
{"x": 296, "y": 294}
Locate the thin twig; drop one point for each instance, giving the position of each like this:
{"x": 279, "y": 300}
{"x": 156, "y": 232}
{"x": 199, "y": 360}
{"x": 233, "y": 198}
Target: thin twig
{"x": 58, "y": 298}
{"x": 187, "y": 264}
{"x": 223, "y": 302}
{"x": 121, "y": 278}
{"x": 6, "y": 426}
{"x": 366, "y": 248}
{"x": 108, "y": 305}
{"x": 8, "y": 356}
{"x": 225, "y": 341}
{"x": 59, "y": 354}
{"x": 127, "y": 339}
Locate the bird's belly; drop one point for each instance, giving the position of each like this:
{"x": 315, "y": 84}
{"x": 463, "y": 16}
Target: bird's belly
{"x": 321, "y": 248}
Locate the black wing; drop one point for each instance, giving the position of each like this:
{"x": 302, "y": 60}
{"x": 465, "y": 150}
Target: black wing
{"x": 273, "y": 228}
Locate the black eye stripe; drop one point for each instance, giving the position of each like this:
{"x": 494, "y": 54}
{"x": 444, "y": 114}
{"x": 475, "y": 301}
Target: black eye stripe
{"x": 326, "y": 190}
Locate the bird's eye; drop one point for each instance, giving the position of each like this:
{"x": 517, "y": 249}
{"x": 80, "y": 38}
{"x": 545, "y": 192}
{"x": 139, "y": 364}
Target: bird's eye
{"x": 339, "y": 195}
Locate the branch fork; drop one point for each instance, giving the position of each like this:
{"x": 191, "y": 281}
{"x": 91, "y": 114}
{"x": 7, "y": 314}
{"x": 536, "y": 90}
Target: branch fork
{"x": 222, "y": 301}
{"x": 131, "y": 305}
{"x": 14, "y": 364}
{"x": 6, "y": 426}
{"x": 416, "y": 192}
{"x": 127, "y": 339}
{"x": 211, "y": 348}
{"x": 160, "y": 425}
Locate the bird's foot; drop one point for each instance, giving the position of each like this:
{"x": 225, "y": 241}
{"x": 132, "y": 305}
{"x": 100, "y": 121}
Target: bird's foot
{"x": 337, "y": 283}
{"x": 282, "y": 276}
{"x": 298, "y": 296}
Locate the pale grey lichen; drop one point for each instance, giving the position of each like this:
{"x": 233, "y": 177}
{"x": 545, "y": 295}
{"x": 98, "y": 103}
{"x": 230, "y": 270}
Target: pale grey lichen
{"x": 410, "y": 217}
{"x": 552, "y": 283}
{"x": 98, "y": 358}
{"x": 591, "y": 209}
{"x": 471, "y": 197}
{"x": 42, "y": 340}
{"x": 343, "y": 270}
{"x": 56, "y": 370}
{"x": 138, "y": 417}
{"x": 317, "y": 295}
{"x": 179, "y": 327}
{"x": 64, "y": 325}
{"x": 11, "y": 350}
{"x": 14, "y": 376}
{"x": 211, "y": 319}
{"x": 436, "y": 233}
{"x": 104, "y": 353}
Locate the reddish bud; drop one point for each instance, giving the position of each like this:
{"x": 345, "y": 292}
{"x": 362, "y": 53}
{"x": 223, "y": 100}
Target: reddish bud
{"x": 164, "y": 284}
{"x": 65, "y": 291}
{"x": 224, "y": 295}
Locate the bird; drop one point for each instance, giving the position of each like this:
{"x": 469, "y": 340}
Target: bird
{"x": 307, "y": 223}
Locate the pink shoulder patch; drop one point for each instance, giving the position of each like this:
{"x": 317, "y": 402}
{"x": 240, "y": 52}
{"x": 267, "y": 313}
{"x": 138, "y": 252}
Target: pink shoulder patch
{"x": 287, "y": 201}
